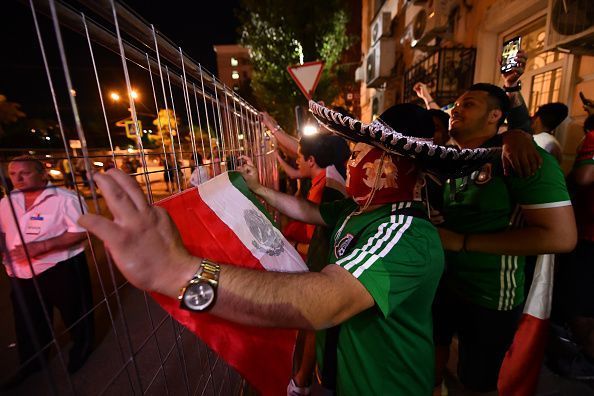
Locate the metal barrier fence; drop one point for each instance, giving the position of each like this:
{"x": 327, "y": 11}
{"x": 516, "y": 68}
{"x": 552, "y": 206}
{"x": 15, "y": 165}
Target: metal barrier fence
{"x": 199, "y": 129}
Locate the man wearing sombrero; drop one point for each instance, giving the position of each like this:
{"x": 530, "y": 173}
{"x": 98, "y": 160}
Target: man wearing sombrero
{"x": 384, "y": 266}
{"x": 492, "y": 221}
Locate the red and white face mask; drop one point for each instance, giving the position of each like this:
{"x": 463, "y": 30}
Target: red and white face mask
{"x": 398, "y": 181}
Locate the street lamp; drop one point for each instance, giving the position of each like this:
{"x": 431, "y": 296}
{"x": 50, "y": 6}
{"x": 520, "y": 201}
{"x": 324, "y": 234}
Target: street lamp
{"x": 309, "y": 130}
{"x": 116, "y": 96}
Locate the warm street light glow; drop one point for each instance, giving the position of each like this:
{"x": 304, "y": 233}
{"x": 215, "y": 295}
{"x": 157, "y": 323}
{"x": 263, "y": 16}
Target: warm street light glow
{"x": 309, "y": 130}
{"x": 116, "y": 96}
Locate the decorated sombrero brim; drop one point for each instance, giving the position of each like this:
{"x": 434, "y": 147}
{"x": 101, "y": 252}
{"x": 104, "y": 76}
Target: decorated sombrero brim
{"x": 449, "y": 160}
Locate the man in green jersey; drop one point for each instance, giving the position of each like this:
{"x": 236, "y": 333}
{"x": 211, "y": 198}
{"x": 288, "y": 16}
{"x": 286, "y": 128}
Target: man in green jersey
{"x": 491, "y": 223}
{"x": 385, "y": 266}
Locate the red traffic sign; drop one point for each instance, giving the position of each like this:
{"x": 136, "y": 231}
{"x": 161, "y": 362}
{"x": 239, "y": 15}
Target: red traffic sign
{"x": 307, "y": 76}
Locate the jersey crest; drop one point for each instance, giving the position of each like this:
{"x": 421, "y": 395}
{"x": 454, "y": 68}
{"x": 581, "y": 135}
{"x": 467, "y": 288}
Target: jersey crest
{"x": 342, "y": 246}
{"x": 485, "y": 174}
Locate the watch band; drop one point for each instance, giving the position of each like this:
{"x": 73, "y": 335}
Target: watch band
{"x": 515, "y": 88}
{"x": 207, "y": 272}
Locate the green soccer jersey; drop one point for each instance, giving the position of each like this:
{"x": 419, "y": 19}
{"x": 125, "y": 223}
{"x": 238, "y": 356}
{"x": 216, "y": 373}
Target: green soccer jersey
{"x": 387, "y": 349}
{"x": 487, "y": 202}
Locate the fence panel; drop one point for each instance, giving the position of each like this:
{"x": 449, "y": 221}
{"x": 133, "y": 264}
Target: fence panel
{"x": 113, "y": 91}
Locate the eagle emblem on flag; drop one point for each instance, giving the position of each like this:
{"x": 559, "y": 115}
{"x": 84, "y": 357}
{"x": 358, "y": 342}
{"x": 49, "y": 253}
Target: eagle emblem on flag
{"x": 266, "y": 238}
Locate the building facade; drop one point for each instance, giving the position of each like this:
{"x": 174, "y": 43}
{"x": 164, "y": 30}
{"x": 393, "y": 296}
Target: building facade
{"x": 234, "y": 68}
{"x": 450, "y": 44}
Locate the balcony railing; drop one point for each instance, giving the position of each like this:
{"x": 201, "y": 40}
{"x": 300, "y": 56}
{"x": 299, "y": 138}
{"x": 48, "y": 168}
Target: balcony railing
{"x": 447, "y": 73}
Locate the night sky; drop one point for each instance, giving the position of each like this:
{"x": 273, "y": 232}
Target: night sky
{"x": 23, "y": 78}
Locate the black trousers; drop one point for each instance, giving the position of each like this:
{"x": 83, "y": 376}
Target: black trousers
{"x": 484, "y": 336}
{"x": 66, "y": 286}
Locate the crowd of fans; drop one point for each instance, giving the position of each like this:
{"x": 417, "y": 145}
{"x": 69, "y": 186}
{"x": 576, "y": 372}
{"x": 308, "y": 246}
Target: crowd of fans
{"x": 402, "y": 258}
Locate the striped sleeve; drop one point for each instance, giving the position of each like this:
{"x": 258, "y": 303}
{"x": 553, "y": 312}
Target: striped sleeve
{"x": 545, "y": 189}
{"x": 389, "y": 261}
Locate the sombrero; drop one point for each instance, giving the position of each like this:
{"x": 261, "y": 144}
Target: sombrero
{"x": 413, "y": 140}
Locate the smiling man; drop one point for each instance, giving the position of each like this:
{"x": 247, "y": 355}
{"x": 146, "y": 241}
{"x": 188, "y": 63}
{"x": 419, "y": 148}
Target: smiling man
{"x": 491, "y": 223}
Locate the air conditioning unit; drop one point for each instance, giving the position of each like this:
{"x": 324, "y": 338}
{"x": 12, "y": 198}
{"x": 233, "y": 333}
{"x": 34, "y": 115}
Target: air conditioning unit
{"x": 380, "y": 62}
{"x": 571, "y": 26}
{"x": 380, "y": 27}
{"x": 430, "y": 22}
{"x": 377, "y": 104}
{"x": 360, "y": 73}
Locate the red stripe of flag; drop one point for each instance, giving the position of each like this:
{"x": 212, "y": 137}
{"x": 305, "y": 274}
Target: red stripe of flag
{"x": 263, "y": 356}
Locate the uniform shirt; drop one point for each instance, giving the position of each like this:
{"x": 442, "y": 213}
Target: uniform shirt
{"x": 547, "y": 141}
{"x": 487, "y": 202}
{"x": 54, "y": 212}
{"x": 387, "y": 349}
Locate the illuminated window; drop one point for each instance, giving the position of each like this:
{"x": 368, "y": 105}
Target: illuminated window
{"x": 545, "y": 88}
{"x": 234, "y": 62}
{"x": 235, "y": 75}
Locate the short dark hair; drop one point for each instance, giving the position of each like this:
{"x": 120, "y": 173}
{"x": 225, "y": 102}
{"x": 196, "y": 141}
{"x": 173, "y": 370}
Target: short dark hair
{"x": 497, "y": 99}
{"x": 326, "y": 150}
{"x": 551, "y": 114}
{"x": 340, "y": 150}
{"x": 589, "y": 123}
{"x": 441, "y": 116}
{"x": 409, "y": 119}
{"x": 27, "y": 158}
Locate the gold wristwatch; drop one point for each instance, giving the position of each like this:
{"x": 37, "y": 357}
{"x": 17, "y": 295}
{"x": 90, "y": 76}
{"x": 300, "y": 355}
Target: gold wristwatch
{"x": 201, "y": 291}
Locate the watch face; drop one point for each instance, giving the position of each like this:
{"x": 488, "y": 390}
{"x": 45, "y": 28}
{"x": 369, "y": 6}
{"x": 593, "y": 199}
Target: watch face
{"x": 199, "y": 296}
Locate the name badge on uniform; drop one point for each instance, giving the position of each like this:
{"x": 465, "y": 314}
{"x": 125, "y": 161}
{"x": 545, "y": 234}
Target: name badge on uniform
{"x": 342, "y": 246}
{"x": 34, "y": 225}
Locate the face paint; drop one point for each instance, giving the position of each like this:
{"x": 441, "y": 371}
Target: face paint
{"x": 397, "y": 181}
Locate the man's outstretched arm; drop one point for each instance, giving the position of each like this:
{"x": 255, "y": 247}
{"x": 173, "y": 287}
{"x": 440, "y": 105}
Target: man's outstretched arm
{"x": 296, "y": 208}
{"x": 148, "y": 250}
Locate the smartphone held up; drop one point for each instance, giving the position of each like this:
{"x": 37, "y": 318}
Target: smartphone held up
{"x": 508, "y": 55}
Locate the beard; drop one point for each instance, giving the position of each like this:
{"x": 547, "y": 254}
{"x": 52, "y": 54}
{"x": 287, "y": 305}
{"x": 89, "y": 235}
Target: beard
{"x": 468, "y": 130}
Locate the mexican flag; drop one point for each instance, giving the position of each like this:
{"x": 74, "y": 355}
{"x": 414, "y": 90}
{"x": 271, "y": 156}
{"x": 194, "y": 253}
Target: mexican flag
{"x": 520, "y": 369}
{"x": 223, "y": 221}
